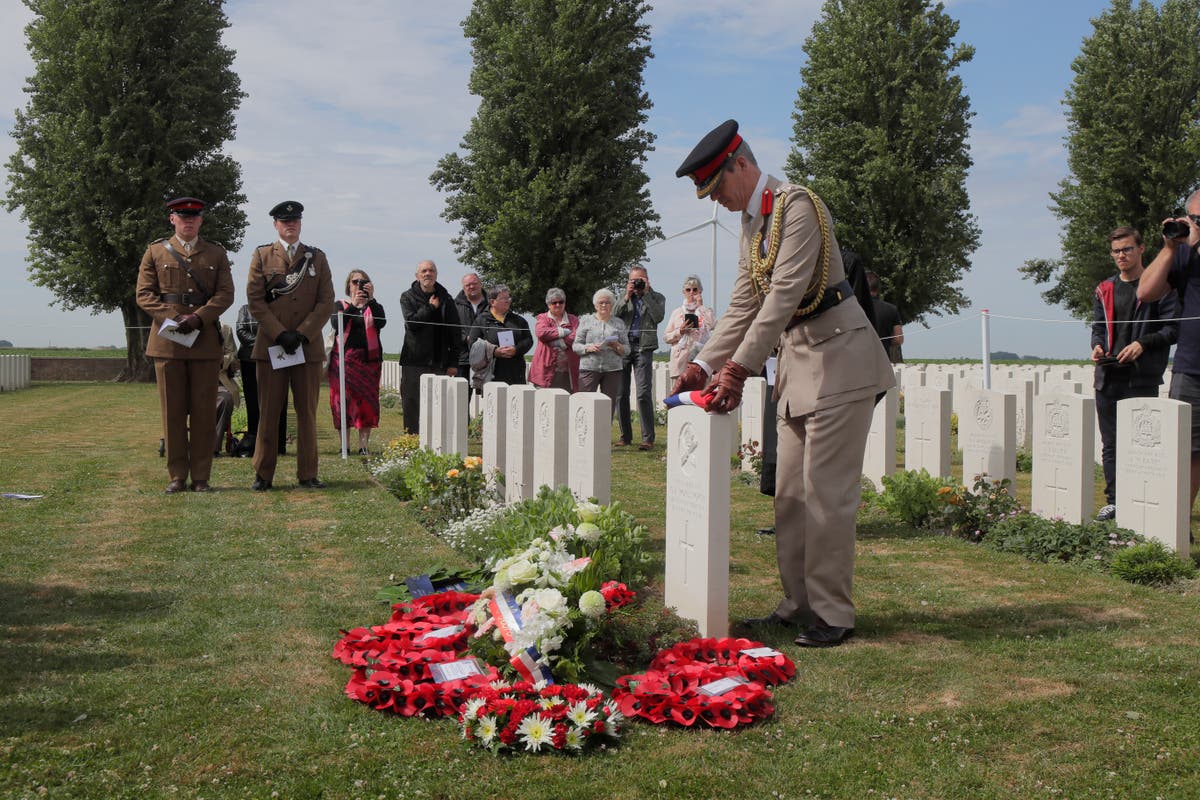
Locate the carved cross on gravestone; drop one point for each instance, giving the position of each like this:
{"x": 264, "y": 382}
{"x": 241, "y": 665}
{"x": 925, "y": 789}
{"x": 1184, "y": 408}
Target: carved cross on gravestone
{"x": 1145, "y": 505}
{"x": 1061, "y": 492}
{"x": 925, "y": 441}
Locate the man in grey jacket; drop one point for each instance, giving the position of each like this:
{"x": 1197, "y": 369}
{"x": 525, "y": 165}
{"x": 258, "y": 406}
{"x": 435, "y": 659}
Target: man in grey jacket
{"x": 641, "y": 309}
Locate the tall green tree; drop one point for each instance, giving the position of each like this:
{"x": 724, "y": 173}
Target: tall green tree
{"x": 880, "y": 133}
{"x": 549, "y": 188}
{"x": 1133, "y": 141}
{"x": 129, "y": 104}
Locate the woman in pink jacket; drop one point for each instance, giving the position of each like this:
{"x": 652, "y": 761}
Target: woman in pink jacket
{"x": 555, "y": 364}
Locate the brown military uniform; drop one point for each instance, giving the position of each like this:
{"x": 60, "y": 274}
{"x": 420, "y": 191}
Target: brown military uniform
{"x": 187, "y": 376}
{"x": 830, "y": 368}
{"x": 305, "y": 310}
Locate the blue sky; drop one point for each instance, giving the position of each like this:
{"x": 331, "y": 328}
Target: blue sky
{"x": 382, "y": 88}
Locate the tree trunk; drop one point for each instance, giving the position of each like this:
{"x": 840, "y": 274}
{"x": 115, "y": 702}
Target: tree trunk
{"x": 138, "y": 368}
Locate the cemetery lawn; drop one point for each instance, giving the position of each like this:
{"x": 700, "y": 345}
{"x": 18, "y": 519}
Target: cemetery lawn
{"x": 155, "y": 646}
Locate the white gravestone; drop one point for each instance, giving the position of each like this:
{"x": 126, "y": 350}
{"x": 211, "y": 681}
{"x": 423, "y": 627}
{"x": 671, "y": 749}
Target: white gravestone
{"x": 1154, "y": 445}
{"x": 697, "y": 540}
{"x": 1022, "y": 389}
{"x": 550, "y": 431}
{"x": 454, "y": 438}
{"x": 518, "y": 450}
{"x": 1062, "y": 484}
{"x": 880, "y": 456}
{"x": 987, "y": 434}
{"x": 425, "y": 413}
{"x": 662, "y": 382}
{"x": 437, "y": 415}
{"x": 589, "y": 453}
{"x": 495, "y": 428}
{"x": 754, "y": 400}
{"x": 927, "y": 431}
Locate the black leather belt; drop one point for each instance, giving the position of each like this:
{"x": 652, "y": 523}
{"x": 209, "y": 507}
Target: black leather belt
{"x": 187, "y": 298}
{"x": 832, "y": 297}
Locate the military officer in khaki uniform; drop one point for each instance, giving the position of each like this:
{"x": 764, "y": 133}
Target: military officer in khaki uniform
{"x": 290, "y": 293}
{"x": 791, "y": 292}
{"x": 186, "y": 281}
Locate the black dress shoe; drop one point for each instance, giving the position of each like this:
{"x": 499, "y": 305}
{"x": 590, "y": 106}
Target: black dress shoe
{"x": 260, "y": 484}
{"x": 313, "y": 483}
{"x": 200, "y": 486}
{"x": 176, "y": 486}
{"x": 769, "y": 621}
{"x": 822, "y": 635}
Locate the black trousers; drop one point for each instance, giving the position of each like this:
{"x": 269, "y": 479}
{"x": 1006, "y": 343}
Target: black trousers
{"x": 1106, "y": 416}
{"x": 250, "y": 395}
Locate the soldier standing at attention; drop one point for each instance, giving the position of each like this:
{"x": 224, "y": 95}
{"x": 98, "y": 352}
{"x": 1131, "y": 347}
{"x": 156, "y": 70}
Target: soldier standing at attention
{"x": 290, "y": 293}
{"x": 791, "y": 293}
{"x": 185, "y": 283}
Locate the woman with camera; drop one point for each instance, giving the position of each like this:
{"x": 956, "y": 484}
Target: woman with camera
{"x": 362, "y": 319}
{"x": 689, "y": 327}
{"x": 555, "y": 363}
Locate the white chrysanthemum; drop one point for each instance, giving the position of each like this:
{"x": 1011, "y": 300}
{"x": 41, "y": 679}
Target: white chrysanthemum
{"x": 591, "y": 688}
{"x": 487, "y": 729}
{"x": 471, "y": 709}
{"x": 575, "y": 739}
{"x": 588, "y": 532}
{"x": 535, "y": 732}
{"x": 547, "y": 703}
{"x": 579, "y": 714}
{"x": 615, "y": 717}
{"x": 591, "y": 604}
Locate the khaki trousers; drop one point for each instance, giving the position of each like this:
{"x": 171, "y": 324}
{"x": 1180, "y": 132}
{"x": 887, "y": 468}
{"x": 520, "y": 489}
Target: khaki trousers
{"x": 187, "y": 392}
{"x": 305, "y": 382}
{"x": 818, "y": 485}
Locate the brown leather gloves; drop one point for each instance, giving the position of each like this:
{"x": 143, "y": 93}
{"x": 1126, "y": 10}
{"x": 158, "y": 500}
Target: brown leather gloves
{"x": 693, "y": 379}
{"x": 726, "y": 394}
{"x": 189, "y": 323}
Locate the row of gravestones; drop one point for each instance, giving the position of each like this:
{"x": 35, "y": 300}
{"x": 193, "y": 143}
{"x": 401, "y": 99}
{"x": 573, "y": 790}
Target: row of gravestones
{"x": 533, "y": 437}
{"x": 1153, "y": 455}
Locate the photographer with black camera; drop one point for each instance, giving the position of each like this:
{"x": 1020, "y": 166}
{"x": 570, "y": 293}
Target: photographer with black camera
{"x": 641, "y": 309}
{"x": 1177, "y": 267}
{"x": 1130, "y": 344}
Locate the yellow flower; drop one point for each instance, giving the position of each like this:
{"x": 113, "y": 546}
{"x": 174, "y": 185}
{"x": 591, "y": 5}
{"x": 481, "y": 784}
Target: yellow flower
{"x": 472, "y": 462}
{"x": 452, "y": 473}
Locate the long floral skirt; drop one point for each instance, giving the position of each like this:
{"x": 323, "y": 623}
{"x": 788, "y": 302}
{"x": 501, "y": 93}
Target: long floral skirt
{"x": 362, "y": 389}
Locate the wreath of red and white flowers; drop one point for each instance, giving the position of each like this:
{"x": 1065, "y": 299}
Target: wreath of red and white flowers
{"x": 523, "y": 717}
{"x": 771, "y": 668}
{"x": 393, "y": 661}
{"x": 678, "y": 685}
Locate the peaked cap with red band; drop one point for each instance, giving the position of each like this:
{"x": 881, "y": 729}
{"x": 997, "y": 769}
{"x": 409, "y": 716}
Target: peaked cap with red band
{"x": 705, "y": 165}
{"x": 186, "y": 206}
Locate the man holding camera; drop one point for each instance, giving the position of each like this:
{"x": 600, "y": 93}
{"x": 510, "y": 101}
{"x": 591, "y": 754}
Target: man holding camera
{"x": 641, "y": 309}
{"x": 1177, "y": 267}
{"x": 290, "y": 293}
{"x": 1130, "y": 343}
{"x": 791, "y": 293}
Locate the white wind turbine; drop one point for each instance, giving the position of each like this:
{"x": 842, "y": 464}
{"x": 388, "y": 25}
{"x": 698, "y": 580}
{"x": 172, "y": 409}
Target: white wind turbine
{"x": 715, "y": 223}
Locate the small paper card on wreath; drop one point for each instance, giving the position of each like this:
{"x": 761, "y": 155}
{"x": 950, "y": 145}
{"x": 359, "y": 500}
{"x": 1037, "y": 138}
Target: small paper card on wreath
{"x": 772, "y": 364}
{"x": 440, "y": 633}
{"x": 281, "y": 359}
{"x": 760, "y": 652}
{"x": 722, "y": 686}
{"x": 506, "y": 339}
{"x": 455, "y": 670}
{"x": 170, "y": 330}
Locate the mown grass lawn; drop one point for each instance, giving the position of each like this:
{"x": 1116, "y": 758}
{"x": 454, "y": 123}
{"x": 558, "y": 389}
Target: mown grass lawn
{"x": 155, "y": 646}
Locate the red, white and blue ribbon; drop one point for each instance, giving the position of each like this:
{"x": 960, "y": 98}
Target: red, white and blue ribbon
{"x": 507, "y": 614}
{"x": 699, "y": 399}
